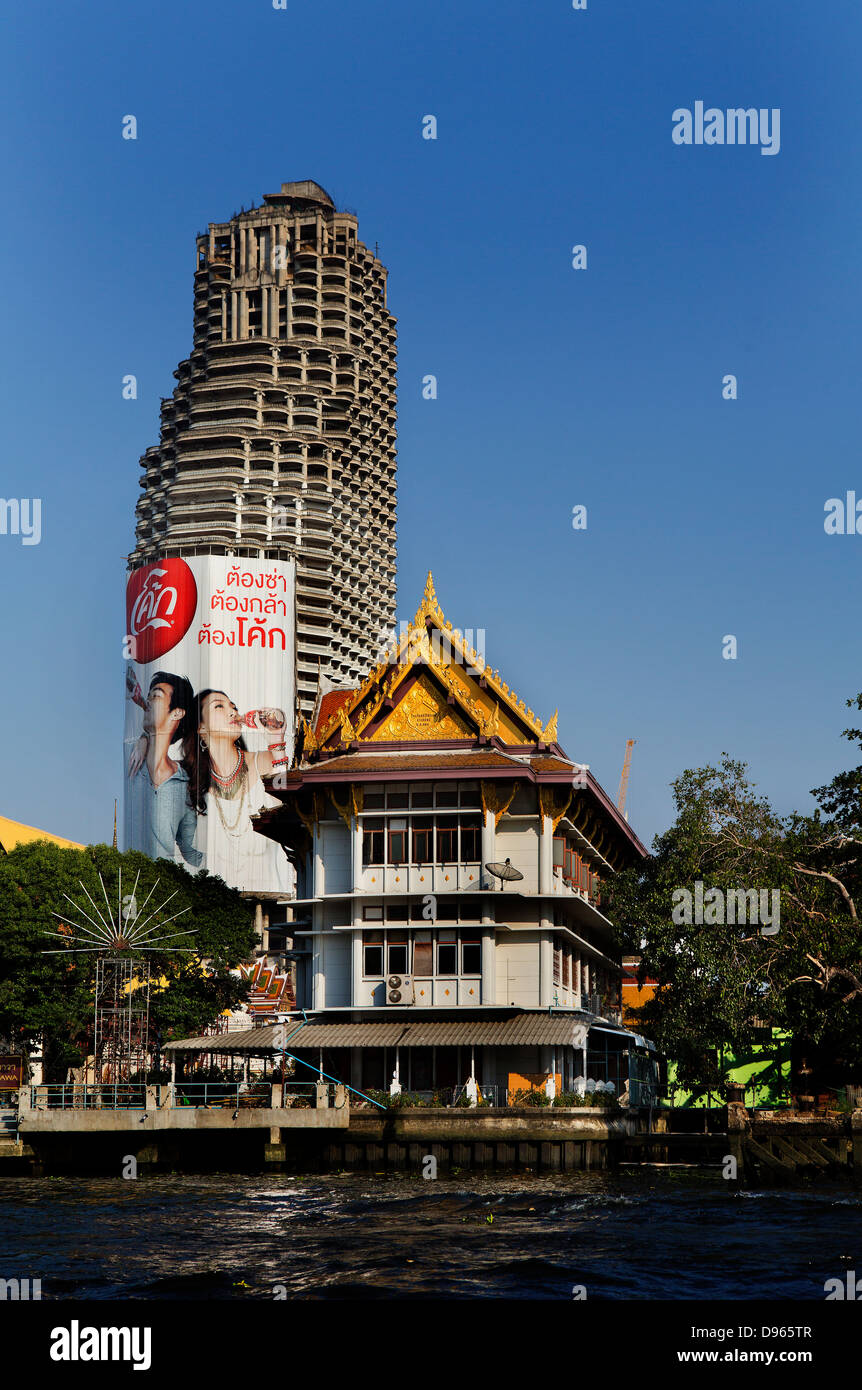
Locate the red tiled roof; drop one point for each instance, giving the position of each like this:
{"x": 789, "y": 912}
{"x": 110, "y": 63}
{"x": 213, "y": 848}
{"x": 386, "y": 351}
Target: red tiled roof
{"x": 330, "y": 704}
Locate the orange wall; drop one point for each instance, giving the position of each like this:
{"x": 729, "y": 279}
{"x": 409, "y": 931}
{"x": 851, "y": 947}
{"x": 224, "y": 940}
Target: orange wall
{"x": 634, "y": 998}
{"x": 532, "y": 1081}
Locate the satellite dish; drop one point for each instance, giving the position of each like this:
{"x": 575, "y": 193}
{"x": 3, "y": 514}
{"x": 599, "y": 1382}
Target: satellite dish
{"x": 506, "y": 872}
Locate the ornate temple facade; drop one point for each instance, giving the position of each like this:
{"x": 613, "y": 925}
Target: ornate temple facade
{"x": 452, "y": 865}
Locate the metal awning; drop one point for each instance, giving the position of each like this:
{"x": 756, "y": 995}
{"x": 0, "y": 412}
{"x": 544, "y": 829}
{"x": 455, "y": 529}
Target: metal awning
{"x": 625, "y": 1033}
{"x": 252, "y": 1041}
{"x": 522, "y": 1030}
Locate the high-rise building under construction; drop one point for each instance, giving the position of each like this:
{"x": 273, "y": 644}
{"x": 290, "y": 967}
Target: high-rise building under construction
{"x": 279, "y": 438}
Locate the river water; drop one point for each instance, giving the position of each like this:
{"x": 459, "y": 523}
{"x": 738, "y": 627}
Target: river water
{"x": 639, "y": 1234}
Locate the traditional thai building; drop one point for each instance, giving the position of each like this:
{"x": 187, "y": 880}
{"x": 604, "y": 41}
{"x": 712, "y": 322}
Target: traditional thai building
{"x": 452, "y": 863}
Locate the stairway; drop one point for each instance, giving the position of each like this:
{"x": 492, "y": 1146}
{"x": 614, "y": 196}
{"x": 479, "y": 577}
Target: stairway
{"x": 8, "y": 1127}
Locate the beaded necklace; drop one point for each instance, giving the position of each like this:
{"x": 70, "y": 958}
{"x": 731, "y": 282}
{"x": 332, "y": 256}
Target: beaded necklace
{"x": 227, "y": 785}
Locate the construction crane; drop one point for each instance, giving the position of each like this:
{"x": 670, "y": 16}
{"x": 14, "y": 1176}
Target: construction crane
{"x": 624, "y": 779}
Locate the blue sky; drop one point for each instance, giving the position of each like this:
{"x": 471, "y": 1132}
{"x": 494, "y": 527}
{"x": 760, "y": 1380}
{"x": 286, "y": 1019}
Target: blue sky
{"x": 557, "y": 387}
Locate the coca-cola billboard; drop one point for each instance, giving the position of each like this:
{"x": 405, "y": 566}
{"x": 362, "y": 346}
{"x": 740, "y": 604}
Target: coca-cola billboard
{"x": 210, "y": 689}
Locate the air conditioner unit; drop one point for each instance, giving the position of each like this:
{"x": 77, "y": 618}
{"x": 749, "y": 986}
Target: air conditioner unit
{"x": 399, "y": 989}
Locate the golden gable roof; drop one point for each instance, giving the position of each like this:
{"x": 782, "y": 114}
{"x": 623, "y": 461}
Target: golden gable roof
{"x": 431, "y": 685}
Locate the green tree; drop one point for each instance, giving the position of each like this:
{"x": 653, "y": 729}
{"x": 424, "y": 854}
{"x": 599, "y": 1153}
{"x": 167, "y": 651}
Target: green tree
{"x": 50, "y": 996}
{"x": 841, "y": 799}
{"x": 719, "y": 981}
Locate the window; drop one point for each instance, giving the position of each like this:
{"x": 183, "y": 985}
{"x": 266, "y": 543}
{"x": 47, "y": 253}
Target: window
{"x": 397, "y": 799}
{"x": 471, "y": 955}
{"x": 446, "y": 795}
{"x": 447, "y": 953}
{"x": 372, "y": 912}
{"x": 398, "y": 842}
{"x": 398, "y": 952}
{"x": 372, "y": 953}
{"x": 372, "y": 840}
{"x": 423, "y": 839}
{"x": 422, "y": 797}
{"x": 558, "y": 956}
{"x": 567, "y": 961}
{"x": 423, "y": 954}
{"x": 471, "y": 841}
{"x": 447, "y": 843}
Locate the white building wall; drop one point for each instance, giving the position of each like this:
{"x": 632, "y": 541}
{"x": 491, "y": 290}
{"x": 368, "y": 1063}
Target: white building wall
{"x": 336, "y": 964}
{"x": 518, "y": 969}
{"x": 519, "y": 841}
{"x": 334, "y": 843}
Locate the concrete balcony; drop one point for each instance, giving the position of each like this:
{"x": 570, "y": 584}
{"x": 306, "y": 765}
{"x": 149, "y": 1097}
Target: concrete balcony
{"x": 456, "y": 991}
{"x": 420, "y": 879}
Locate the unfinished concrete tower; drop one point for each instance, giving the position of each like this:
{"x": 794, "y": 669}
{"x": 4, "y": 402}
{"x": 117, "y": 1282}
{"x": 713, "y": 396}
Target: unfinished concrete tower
{"x": 279, "y": 438}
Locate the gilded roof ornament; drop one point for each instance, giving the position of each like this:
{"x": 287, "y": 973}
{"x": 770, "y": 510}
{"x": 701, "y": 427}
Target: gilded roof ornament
{"x": 348, "y": 733}
{"x": 549, "y": 733}
{"x": 492, "y": 723}
{"x": 429, "y": 607}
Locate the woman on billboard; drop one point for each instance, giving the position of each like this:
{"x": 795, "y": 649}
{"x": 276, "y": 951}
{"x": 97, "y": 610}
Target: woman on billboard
{"x": 226, "y": 786}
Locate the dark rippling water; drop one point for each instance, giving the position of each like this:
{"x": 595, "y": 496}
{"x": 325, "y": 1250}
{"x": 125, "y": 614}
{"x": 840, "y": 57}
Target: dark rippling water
{"x": 636, "y": 1235}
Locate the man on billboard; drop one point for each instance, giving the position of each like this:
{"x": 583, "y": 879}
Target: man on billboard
{"x": 158, "y": 790}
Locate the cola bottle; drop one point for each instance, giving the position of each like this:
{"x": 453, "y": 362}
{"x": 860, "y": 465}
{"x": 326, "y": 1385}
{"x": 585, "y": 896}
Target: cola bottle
{"x": 266, "y": 721}
{"x": 133, "y": 687}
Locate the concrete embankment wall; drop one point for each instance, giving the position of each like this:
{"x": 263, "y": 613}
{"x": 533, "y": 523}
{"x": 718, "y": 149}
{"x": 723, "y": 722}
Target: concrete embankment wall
{"x": 102, "y": 1142}
{"x": 767, "y": 1149}
{"x": 547, "y": 1140}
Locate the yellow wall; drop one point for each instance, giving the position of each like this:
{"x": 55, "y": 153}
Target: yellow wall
{"x": 13, "y": 833}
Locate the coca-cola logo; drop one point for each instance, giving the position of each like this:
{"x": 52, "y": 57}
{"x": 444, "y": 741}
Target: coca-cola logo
{"x": 160, "y": 603}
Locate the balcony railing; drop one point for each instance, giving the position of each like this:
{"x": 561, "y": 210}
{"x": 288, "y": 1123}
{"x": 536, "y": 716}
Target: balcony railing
{"x": 73, "y": 1096}
{"x": 200, "y": 1095}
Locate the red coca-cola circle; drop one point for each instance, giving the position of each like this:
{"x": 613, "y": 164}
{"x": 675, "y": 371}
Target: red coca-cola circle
{"x": 161, "y": 599}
